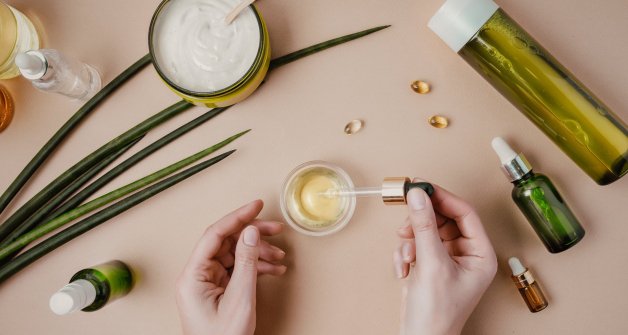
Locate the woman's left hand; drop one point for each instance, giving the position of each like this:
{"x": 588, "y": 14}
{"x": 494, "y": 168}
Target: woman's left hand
{"x": 216, "y": 293}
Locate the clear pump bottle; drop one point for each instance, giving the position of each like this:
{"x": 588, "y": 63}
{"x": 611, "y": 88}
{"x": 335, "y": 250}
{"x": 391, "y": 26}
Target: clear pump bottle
{"x": 537, "y": 84}
{"x": 92, "y": 288}
{"x": 539, "y": 200}
{"x": 51, "y": 71}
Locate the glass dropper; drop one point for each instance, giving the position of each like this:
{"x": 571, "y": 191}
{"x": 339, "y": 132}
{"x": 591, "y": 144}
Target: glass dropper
{"x": 393, "y": 190}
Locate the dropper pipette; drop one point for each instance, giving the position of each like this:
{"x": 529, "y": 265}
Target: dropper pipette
{"x": 393, "y": 190}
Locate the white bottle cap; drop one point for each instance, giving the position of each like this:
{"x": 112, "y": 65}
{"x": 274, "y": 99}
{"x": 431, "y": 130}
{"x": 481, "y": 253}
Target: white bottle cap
{"x": 516, "y": 266}
{"x": 457, "y": 21}
{"x": 503, "y": 150}
{"x": 73, "y": 297}
{"x": 514, "y": 165}
{"x": 32, "y": 64}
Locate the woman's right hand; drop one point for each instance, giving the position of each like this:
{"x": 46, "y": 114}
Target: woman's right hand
{"x": 448, "y": 260}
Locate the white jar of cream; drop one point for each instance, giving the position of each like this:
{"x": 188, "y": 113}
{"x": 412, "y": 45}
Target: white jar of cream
{"x": 203, "y": 59}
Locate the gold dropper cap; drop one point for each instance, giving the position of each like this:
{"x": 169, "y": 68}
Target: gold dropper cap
{"x": 393, "y": 190}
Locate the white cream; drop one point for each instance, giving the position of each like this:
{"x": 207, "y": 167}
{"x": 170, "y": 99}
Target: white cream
{"x": 197, "y": 51}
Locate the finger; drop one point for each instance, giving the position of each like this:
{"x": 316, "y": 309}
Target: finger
{"x": 406, "y": 232}
{"x": 214, "y": 236}
{"x": 268, "y": 228}
{"x": 464, "y": 247}
{"x": 224, "y": 254}
{"x": 449, "y": 231}
{"x": 270, "y": 253}
{"x": 267, "y": 252}
{"x": 460, "y": 211}
{"x": 244, "y": 276}
{"x": 265, "y": 268}
{"x": 421, "y": 216}
{"x": 408, "y": 252}
{"x": 398, "y": 264}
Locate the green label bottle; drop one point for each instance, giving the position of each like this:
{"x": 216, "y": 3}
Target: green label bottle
{"x": 537, "y": 84}
{"x": 92, "y": 288}
{"x": 537, "y": 197}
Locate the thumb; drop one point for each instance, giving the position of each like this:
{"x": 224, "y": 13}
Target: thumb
{"x": 244, "y": 278}
{"x": 423, "y": 221}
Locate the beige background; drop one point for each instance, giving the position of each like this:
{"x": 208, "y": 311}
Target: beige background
{"x": 342, "y": 284}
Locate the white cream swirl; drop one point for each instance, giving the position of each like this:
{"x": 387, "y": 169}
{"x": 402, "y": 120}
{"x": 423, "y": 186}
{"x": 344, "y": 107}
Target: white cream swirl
{"x": 197, "y": 51}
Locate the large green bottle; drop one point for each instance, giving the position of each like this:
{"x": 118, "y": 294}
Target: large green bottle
{"x": 537, "y": 84}
{"x": 92, "y": 288}
{"x": 537, "y": 198}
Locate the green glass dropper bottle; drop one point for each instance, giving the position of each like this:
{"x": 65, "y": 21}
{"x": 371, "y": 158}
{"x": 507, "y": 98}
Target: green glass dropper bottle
{"x": 540, "y": 202}
{"x": 92, "y": 288}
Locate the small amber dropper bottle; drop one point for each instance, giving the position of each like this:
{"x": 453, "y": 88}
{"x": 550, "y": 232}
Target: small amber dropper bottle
{"x": 528, "y": 287}
{"x": 6, "y": 108}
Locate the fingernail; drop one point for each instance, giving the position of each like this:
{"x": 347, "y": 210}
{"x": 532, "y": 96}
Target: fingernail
{"x": 278, "y": 251}
{"x": 251, "y": 236}
{"x": 416, "y": 199}
{"x": 405, "y": 249}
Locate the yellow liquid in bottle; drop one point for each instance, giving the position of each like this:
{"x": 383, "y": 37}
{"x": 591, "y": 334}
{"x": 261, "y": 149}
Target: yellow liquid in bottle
{"x": 308, "y": 203}
{"x": 17, "y": 34}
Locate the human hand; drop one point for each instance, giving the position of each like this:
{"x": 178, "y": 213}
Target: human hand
{"x": 454, "y": 263}
{"x": 216, "y": 293}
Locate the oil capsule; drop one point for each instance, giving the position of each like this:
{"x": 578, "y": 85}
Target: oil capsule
{"x": 354, "y": 126}
{"x": 420, "y": 87}
{"x": 438, "y": 121}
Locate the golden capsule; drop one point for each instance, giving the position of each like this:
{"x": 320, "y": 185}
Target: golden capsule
{"x": 354, "y": 126}
{"x": 420, "y": 87}
{"x": 438, "y": 121}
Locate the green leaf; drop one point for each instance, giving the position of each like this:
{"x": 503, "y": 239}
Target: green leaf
{"x": 60, "y": 135}
{"x": 93, "y": 221}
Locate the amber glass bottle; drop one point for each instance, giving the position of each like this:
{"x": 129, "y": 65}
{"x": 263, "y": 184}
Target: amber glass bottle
{"x": 6, "y": 108}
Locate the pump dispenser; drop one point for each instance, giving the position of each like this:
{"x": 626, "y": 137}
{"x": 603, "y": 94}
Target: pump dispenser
{"x": 72, "y": 297}
{"x": 50, "y": 71}
{"x": 537, "y": 197}
{"x": 92, "y": 288}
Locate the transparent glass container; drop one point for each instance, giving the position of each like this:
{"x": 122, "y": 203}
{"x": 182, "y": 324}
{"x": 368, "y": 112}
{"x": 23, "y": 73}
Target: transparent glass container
{"x": 548, "y": 94}
{"x": 552, "y": 220}
{"x": 305, "y": 217}
{"x": 55, "y": 72}
{"x": 17, "y": 34}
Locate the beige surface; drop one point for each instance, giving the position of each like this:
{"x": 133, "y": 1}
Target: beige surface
{"x": 342, "y": 284}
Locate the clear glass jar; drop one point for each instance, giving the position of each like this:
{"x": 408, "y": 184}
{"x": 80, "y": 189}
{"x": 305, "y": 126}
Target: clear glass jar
{"x": 311, "y": 216}
{"x": 17, "y": 34}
